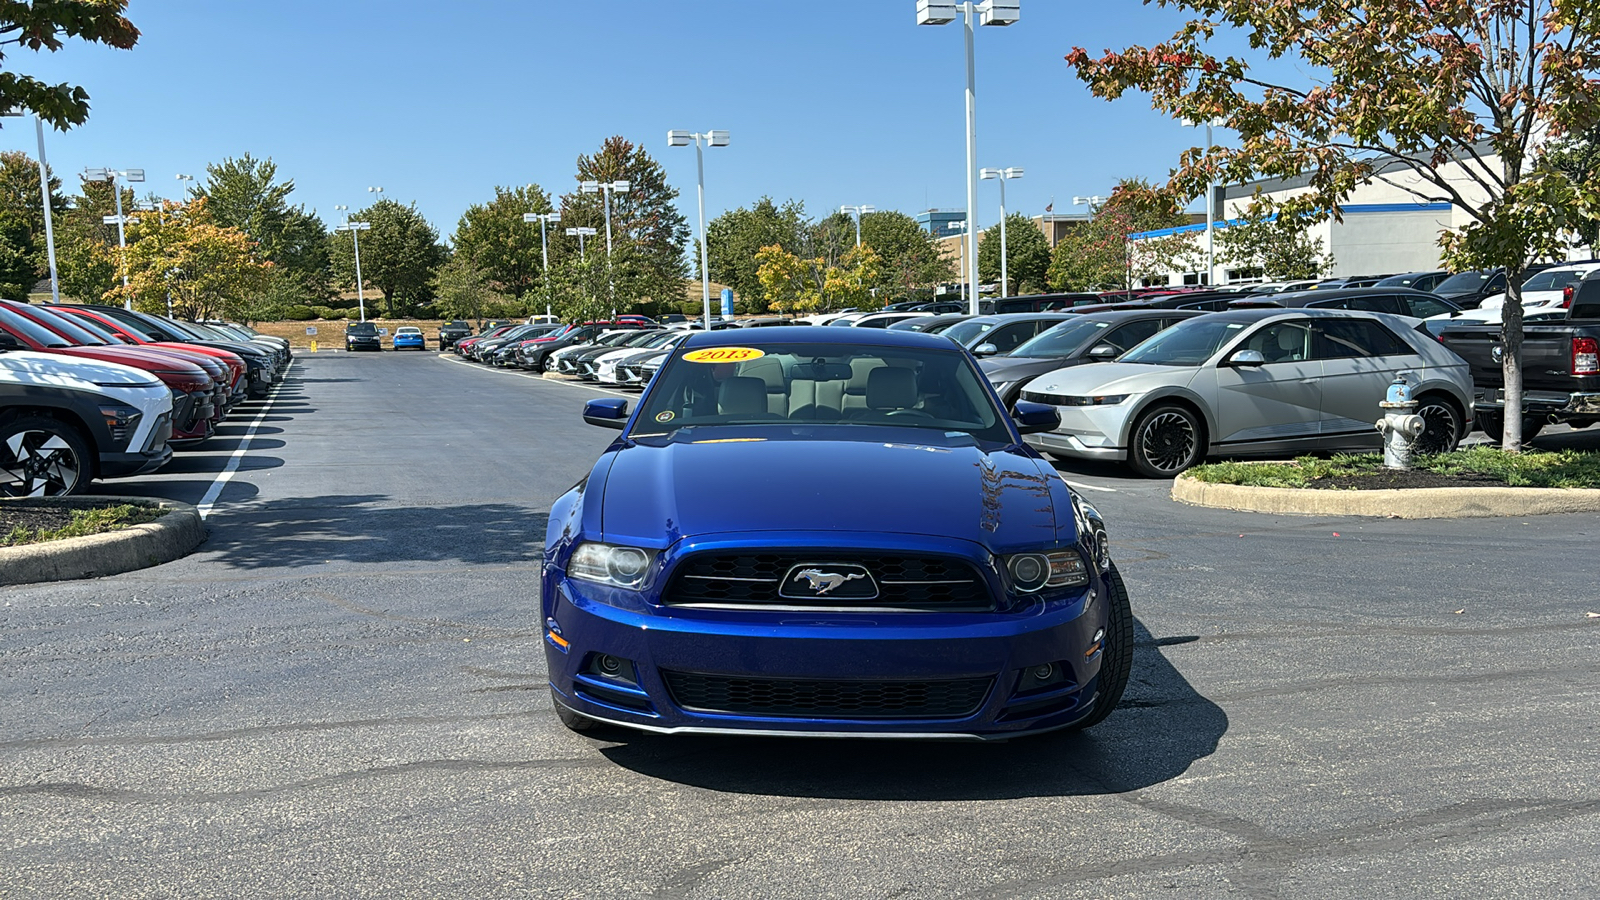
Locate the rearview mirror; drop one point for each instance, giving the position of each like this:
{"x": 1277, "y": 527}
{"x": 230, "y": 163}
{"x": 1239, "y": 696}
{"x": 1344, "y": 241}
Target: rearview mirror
{"x": 985, "y": 350}
{"x": 1246, "y": 358}
{"x": 607, "y": 413}
{"x": 1032, "y": 418}
{"x": 1102, "y": 351}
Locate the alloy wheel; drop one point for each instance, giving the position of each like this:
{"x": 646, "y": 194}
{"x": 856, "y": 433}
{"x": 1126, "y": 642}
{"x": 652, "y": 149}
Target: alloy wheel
{"x": 1442, "y": 429}
{"x": 1167, "y": 441}
{"x": 38, "y": 463}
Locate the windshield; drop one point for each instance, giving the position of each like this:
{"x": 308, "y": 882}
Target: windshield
{"x": 70, "y": 330}
{"x": 1464, "y": 283}
{"x": 361, "y": 328}
{"x": 1551, "y": 280}
{"x": 825, "y": 383}
{"x": 964, "y": 332}
{"x": 30, "y": 330}
{"x": 1060, "y": 340}
{"x": 1188, "y": 343}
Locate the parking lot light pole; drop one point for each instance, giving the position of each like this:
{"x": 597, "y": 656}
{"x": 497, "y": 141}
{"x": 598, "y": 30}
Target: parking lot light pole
{"x": 581, "y": 233}
{"x": 355, "y": 229}
{"x": 44, "y": 190}
{"x": 1003, "y": 175}
{"x": 858, "y": 212}
{"x": 111, "y": 175}
{"x": 1089, "y": 203}
{"x": 989, "y": 12}
{"x": 604, "y": 189}
{"x": 544, "y": 248}
{"x": 701, "y": 140}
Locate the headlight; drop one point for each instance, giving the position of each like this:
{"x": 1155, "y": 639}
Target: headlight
{"x": 625, "y": 567}
{"x": 1102, "y": 400}
{"x": 1032, "y": 572}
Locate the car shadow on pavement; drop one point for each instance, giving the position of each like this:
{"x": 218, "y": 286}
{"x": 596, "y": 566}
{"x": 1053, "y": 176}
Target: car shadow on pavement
{"x": 1162, "y": 726}
{"x": 308, "y": 531}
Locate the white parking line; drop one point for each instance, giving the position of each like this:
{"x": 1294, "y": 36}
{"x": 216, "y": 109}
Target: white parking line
{"x": 1090, "y": 487}
{"x": 541, "y": 378}
{"x": 210, "y": 499}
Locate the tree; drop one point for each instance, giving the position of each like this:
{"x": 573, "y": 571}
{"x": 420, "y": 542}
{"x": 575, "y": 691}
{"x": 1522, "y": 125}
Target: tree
{"x": 85, "y": 267}
{"x": 1577, "y": 158}
{"x": 504, "y": 248}
{"x": 785, "y": 279}
{"x": 22, "y": 243}
{"x": 910, "y": 256}
{"x": 244, "y": 193}
{"x": 208, "y": 269}
{"x": 734, "y": 238}
{"x": 462, "y": 290}
{"x": 644, "y": 216}
{"x": 41, "y": 26}
{"x": 1444, "y": 99}
{"x": 1027, "y": 255}
{"x": 579, "y": 287}
{"x": 399, "y": 255}
{"x": 850, "y": 283}
{"x": 1099, "y": 254}
{"x": 1279, "y": 248}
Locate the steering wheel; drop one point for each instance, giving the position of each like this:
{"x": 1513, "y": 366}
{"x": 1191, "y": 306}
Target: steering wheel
{"x": 907, "y": 412}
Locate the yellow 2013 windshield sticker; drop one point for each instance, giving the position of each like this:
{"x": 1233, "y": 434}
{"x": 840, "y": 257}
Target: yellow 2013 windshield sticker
{"x": 723, "y": 355}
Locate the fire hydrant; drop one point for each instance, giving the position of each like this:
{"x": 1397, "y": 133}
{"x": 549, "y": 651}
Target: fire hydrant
{"x": 1400, "y": 425}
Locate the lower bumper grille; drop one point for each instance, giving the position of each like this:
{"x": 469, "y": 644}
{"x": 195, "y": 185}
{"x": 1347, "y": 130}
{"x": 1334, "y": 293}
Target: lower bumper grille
{"x": 738, "y": 695}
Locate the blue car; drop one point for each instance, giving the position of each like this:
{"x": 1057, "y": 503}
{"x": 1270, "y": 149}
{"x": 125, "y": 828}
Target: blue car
{"x": 407, "y": 337}
{"x": 829, "y": 532}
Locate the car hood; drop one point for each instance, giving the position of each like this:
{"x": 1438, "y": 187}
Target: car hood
{"x": 28, "y": 367}
{"x": 826, "y": 479}
{"x": 1005, "y": 369}
{"x": 1110, "y": 378}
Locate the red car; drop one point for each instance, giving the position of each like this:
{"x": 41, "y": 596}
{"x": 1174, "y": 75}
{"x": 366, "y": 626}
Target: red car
{"x": 193, "y": 410}
{"x": 233, "y": 388}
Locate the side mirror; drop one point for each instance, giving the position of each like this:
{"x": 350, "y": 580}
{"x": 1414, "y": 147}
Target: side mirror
{"x": 1246, "y": 358}
{"x": 1032, "y": 418}
{"x": 985, "y": 350}
{"x": 607, "y": 413}
{"x": 1103, "y": 351}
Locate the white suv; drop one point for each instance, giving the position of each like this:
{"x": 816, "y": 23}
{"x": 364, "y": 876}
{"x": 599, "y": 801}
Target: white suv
{"x": 65, "y": 422}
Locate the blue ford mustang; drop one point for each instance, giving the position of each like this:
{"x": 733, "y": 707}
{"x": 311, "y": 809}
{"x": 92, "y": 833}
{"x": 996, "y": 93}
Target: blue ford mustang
{"x": 829, "y": 532}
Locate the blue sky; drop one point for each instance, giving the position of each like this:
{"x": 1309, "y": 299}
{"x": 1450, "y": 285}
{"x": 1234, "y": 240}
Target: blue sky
{"x": 439, "y": 102}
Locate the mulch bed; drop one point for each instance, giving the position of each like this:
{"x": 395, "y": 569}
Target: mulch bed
{"x": 1409, "y": 478}
{"x": 32, "y": 514}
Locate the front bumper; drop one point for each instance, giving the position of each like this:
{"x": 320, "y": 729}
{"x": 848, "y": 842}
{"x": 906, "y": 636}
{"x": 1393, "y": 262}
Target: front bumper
{"x": 1086, "y": 432}
{"x": 865, "y": 654}
{"x": 1557, "y": 403}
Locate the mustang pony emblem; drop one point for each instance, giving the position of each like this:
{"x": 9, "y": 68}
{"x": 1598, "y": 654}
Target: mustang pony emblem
{"x": 823, "y": 582}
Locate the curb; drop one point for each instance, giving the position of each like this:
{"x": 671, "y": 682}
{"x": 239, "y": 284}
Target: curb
{"x": 1413, "y": 503}
{"x": 170, "y": 537}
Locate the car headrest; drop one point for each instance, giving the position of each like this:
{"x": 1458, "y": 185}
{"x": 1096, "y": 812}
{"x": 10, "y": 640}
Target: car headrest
{"x": 742, "y": 395}
{"x": 891, "y": 387}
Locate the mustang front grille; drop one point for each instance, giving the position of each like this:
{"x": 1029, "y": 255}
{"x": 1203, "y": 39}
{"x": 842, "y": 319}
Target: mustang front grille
{"x": 757, "y": 579}
{"x": 739, "y": 695}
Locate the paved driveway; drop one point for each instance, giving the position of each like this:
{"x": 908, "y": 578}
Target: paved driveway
{"x": 342, "y": 694}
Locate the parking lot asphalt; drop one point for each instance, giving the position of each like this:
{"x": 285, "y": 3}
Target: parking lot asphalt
{"x": 342, "y": 694}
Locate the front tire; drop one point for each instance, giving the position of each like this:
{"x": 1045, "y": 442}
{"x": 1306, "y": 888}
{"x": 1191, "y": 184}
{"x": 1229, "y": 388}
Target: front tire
{"x": 1116, "y": 660}
{"x": 1165, "y": 441}
{"x": 42, "y": 457}
{"x": 575, "y": 721}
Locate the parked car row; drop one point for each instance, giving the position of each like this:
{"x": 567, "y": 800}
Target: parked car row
{"x": 89, "y": 392}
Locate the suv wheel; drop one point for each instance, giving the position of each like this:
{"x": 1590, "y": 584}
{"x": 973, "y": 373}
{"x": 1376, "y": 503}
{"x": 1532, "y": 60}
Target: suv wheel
{"x": 42, "y": 457}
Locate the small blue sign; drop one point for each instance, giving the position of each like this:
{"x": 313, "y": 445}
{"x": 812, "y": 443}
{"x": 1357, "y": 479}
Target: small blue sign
{"x": 727, "y": 303}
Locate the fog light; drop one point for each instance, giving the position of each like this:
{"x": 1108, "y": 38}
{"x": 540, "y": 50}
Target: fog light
{"x": 610, "y": 665}
{"x": 1043, "y": 672}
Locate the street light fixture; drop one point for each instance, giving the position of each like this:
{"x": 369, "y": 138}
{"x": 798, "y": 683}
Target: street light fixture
{"x": 990, "y": 12}
{"x": 604, "y": 188}
{"x": 858, "y": 211}
{"x": 188, "y": 178}
{"x": 355, "y": 229}
{"x": 581, "y": 232}
{"x": 544, "y": 248}
{"x": 1090, "y": 203}
{"x": 111, "y": 175}
{"x": 44, "y": 190}
{"x": 1003, "y": 175}
{"x": 701, "y": 140}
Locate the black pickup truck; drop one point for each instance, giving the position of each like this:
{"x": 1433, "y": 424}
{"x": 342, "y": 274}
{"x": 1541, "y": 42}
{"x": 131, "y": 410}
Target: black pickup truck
{"x": 1560, "y": 366}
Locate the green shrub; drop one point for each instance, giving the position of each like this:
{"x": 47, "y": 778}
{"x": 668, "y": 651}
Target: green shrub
{"x": 299, "y": 313}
